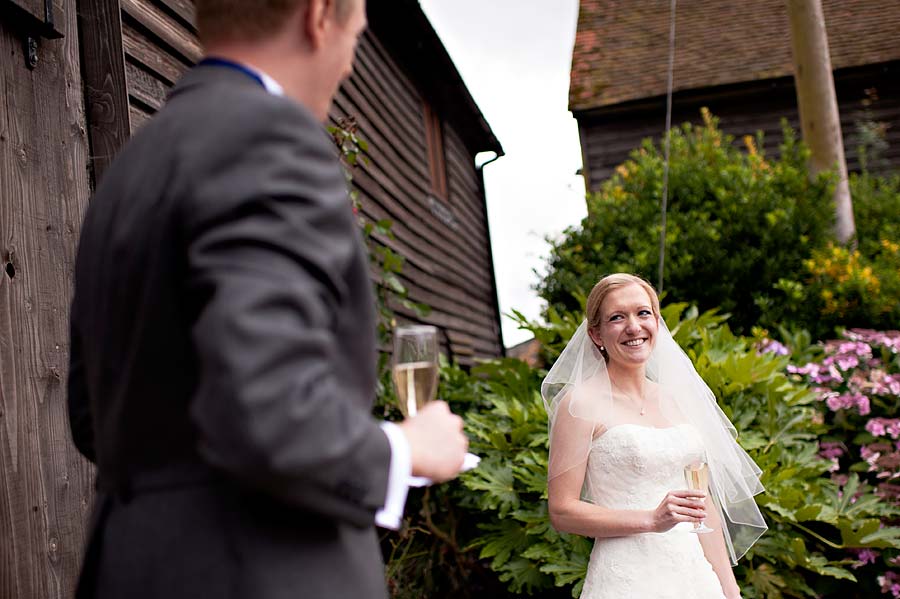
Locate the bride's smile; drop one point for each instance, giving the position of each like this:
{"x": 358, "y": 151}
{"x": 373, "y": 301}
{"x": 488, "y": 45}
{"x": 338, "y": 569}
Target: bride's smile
{"x": 628, "y": 326}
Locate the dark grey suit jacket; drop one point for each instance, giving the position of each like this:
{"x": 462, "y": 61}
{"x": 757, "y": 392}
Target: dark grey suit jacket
{"x": 223, "y": 358}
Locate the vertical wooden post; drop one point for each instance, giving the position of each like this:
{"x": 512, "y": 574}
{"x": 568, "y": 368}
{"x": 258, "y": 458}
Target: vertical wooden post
{"x": 105, "y": 88}
{"x": 817, "y": 103}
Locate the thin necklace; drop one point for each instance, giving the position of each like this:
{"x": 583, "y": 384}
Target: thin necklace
{"x": 622, "y": 391}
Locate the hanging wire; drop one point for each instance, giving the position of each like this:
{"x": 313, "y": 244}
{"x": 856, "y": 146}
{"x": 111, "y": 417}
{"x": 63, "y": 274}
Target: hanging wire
{"x": 665, "y": 193}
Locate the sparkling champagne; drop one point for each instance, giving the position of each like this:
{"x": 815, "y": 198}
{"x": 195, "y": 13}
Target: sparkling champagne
{"x": 696, "y": 476}
{"x": 416, "y": 384}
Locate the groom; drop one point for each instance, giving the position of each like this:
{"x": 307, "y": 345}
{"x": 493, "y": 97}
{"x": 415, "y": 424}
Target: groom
{"x": 222, "y": 335}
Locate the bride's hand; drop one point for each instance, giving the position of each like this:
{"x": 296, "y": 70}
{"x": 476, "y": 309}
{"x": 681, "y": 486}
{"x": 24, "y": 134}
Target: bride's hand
{"x": 679, "y": 506}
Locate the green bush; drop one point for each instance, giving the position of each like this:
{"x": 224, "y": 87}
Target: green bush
{"x": 846, "y": 287}
{"x": 842, "y": 288}
{"x": 876, "y": 207}
{"x": 737, "y": 223}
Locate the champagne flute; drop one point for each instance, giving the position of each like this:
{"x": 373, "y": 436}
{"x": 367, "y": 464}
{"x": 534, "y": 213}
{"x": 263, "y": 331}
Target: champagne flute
{"x": 696, "y": 475}
{"x": 415, "y": 367}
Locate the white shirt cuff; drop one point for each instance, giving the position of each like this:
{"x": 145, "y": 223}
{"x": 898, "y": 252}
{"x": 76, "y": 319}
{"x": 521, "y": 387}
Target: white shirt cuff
{"x": 391, "y": 514}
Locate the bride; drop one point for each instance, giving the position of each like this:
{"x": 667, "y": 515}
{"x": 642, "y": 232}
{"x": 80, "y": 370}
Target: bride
{"x": 628, "y": 415}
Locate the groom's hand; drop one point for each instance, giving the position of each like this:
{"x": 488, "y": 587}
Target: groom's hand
{"x": 436, "y": 441}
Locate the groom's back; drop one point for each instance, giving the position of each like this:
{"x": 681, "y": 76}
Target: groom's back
{"x": 134, "y": 302}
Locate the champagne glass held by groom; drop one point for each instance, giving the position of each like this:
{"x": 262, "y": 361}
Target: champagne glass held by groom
{"x": 222, "y": 335}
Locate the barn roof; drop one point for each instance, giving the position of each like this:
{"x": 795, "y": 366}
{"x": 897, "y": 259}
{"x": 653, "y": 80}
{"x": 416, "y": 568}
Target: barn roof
{"x": 405, "y": 30}
{"x": 621, "y": 46}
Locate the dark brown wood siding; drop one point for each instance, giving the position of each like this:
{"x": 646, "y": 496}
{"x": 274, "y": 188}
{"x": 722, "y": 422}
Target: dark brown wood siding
{"x": 45, "y": 486}
{"x": 160, "y": 44}
{"x": 444, "y": 240}
{"x": 608, "y": 135}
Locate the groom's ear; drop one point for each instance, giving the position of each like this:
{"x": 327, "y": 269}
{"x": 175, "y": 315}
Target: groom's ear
{"x": 314, "y": 21}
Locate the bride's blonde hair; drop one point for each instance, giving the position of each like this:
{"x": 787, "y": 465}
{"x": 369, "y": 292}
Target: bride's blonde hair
{"x": 607, "y": 285}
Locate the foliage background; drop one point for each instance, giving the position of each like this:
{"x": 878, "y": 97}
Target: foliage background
{"x": 490, "y": 530}
{"x": 746, "y": 235}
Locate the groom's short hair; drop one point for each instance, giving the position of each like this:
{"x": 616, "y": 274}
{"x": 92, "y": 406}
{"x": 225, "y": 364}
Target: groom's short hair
{"x": 249, "y": 20}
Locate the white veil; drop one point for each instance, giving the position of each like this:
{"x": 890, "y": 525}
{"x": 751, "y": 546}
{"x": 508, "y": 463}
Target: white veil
{"x": 578, "y": 397}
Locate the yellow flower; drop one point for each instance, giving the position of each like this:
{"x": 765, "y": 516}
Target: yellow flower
{"x": 890, "y": 246}
{"x": 751, "y": 145}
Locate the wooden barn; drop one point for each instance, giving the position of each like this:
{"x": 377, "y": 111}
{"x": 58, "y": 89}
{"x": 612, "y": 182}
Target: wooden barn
{"x": 77, "y": 77}
{"x": 734, "y": 58}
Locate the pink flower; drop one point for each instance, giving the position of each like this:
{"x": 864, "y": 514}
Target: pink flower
{"x": 865, "y": 556}
{"x": 888, "y": 583}
{"x": 811, "y": 369}
{"x": 889, "y": 339}
{"x": 858, "y": 348}
{"x": 836, "y": 402}
{"x": 770, "y": 346}
{"x": 831, "y": 376}
{"x": 848, "y": 400}
{"x": 830, "y": 450}
{"x": 862, "y": 404}
{"x": 870, "y": 456}
{"x": 875, "y": 426}
{"x": 893, "y": 383}
{"x": 840, "y": 480}
{"x": 847, "y": 361}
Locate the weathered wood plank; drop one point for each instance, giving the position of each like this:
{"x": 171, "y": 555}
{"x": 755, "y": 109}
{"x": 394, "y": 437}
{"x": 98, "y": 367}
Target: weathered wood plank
{"x": 743, "y": 110}
{"x": 104, "y": 80}
{"x": 45, "y": 487}
{"x": 139, "y": 48}
{"x": 411, "y": 228}
{"x": 404, "y": 195}
{"x": 410, "y": 189}
{"x": 139, "y": 116}
{"x": 146, "y": 88}
{"x": 387, "y": 72}
{"x": 405, "y": 110}
{"x": 431, "y": 288}
{"x": 440, "y": 280}
{"x": 384, "y": 132}
{"x": 184, "y": 10}
{"x": 31, "y": 16}
{"x": 445, "y": 322}
{"x": 169, "y": 32}
{"x": 463, "y": 181}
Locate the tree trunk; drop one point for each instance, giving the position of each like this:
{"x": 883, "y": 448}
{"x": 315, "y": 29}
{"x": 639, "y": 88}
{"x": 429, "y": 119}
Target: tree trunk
{"x": 817, "y": 103}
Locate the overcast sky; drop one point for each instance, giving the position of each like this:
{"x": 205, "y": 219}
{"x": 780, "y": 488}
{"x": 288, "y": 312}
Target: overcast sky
{"x": 514, "y": 56}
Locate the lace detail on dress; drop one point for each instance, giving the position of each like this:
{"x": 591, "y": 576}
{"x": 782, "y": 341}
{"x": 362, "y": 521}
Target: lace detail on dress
{"x": 632, "y": 467}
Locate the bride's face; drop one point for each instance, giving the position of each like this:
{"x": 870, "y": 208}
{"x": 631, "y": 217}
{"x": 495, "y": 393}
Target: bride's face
{"x": 628, "y": 326}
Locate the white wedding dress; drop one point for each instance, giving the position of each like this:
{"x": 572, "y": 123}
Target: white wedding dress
{"x": 632, "y": 467}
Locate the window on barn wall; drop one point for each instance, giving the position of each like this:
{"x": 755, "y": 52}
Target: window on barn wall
{"x": 434, "y": 140}
{"x": 438, "y": 199}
